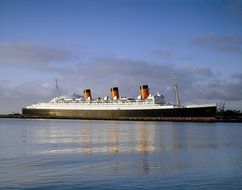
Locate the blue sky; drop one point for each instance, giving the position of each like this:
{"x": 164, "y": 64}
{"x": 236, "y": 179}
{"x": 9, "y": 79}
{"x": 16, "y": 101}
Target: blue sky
{"x": 125, "y": 43}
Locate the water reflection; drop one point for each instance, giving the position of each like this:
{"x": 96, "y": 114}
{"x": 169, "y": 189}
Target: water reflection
{"x": 92, "y": 137}
{"x": 89, "y": 137}
{"x": 143, "y": 147}
{"x": 86, "y": 140}
{"x": 112, "y": 140}
{"x": 76, "y": 152}
{"x": 171, "y": 140}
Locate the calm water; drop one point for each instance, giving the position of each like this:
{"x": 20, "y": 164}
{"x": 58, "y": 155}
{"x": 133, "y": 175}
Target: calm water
{"x": 71, "y": 154}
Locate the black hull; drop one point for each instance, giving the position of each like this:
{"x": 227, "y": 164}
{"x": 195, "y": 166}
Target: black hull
{"x": 174, "y": 114}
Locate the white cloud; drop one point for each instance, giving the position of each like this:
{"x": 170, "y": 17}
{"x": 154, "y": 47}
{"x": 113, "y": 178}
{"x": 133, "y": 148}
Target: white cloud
{"x": 196, "y": 84}
{"x": 163, "y": 52}
{"x": 13, "y": 98}
{"x": 32, "y": 55}
{"x": 221, "y": 43}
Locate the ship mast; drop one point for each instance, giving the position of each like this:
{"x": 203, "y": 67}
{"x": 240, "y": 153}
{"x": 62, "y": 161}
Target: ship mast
{"x": 57, "y": 87}
{"x": 178, "y": 103}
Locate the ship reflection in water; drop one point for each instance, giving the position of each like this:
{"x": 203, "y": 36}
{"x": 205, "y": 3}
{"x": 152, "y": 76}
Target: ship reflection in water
{"x": 141, "y": 139}
{"x": 90, "y": 138}
{"x": 72, "y": 154}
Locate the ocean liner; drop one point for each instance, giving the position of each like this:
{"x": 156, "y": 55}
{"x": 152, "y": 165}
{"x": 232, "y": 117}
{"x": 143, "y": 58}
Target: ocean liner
{"x": 145, "y": 107}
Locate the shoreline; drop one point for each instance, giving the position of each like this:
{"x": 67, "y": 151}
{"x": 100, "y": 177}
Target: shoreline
{"x": 217, "y": 119}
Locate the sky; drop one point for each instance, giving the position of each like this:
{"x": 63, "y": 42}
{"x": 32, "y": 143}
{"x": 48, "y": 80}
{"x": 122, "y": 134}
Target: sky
{"x": 99, "y": 44}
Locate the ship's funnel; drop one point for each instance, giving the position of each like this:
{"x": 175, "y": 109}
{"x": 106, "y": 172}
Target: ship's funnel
{"x": 87, "y": 94}
{"x": 144, "y": 91}
{"x": 114, "y": 93}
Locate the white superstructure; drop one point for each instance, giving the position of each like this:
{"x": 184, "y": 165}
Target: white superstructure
{"x": 76, "y": 102}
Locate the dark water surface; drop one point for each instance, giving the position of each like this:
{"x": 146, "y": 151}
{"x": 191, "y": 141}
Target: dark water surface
{"x": 72, "y": 154}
